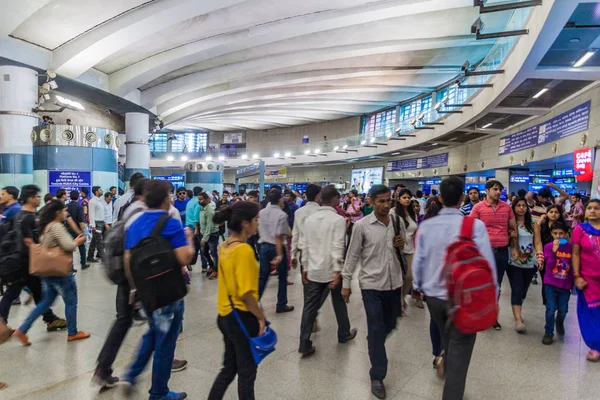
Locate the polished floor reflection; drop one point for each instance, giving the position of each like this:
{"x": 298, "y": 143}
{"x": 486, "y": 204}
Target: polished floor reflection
{"x": 505, "y": 365}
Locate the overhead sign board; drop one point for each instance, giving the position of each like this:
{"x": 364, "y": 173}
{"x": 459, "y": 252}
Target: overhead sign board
{"x": 69, "y": 180}
{"x": 434, "y": 161}
{"x": 566, "y": 124}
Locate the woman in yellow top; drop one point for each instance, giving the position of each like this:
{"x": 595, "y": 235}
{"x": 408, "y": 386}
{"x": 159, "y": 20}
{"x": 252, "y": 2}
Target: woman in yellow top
{"x": 238, "y": 278}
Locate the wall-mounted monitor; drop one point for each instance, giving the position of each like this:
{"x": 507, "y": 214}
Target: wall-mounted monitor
{"x": 365, "y": 178}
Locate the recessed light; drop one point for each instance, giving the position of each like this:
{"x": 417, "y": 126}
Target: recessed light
{"x": 583, "y": 59}
{"x": 363, "y": 142}
{"x": 184, "y": 158}
{"x": 372, "y": 140}
{"x": 307, "y": 152}
{"x": 244, "y": 156}
{"x": 345, "y": 147}
{"x": 170, "y": 158}
{"x": 487, "y": 126}
{"x": 255, "y": 156}
{"x": 336, "y": 148}
{"x": 208, "y": 158}
{"x": 288, "y": 154}
{"x": 221, "y": 158}
{"x": 276, "y": 155}
{"x": 395, "y": 154}
{"x": 434, "y": 144}
{"x": 317, "y": 151}
{"x": 541, "y": 92}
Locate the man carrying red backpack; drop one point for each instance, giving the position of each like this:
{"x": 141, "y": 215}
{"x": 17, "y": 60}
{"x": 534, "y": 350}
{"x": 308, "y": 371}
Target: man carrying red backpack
{"x": 454, "y": 268}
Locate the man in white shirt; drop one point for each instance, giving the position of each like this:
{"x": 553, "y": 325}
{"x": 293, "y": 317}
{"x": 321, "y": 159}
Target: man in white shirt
{"x": 322, "y": 243}
{"x": 97, "y": 224}
{"x": 108, "y": 210}
{"x": 121, "y": 201}
{"x": 313, "y": 194}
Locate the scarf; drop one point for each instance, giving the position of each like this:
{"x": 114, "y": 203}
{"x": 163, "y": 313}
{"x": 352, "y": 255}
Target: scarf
{"x": 589, "y": 229}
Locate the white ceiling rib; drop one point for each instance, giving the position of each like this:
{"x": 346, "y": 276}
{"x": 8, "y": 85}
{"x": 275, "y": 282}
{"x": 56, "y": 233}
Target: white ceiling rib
{"x": 259, "y": 64}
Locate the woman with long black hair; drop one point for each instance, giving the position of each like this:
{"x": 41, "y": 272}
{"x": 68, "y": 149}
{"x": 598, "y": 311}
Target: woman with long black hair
{"x": 409, "y": 220}
{"x": 238, "y": 287}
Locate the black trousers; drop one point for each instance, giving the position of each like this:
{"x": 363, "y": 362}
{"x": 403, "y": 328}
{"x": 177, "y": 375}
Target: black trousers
{"x": 12, "y": 293}
{"x": 117, "y": 333}
{"x": 96, "y": 245}
{"x": 315, "y": 294}
{"x": 459, "y": 348}
{"x": 238, "y": 358}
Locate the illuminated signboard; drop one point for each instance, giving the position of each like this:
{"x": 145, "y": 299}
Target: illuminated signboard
{"x": 582, "y": 164}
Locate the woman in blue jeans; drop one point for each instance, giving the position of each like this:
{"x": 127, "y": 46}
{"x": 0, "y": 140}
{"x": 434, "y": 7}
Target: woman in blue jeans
{"x": 55, "y": 234}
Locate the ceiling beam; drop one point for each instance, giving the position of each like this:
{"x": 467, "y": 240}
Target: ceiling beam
{"x": 522, "y": 110}
{"x": 15, "y": 12}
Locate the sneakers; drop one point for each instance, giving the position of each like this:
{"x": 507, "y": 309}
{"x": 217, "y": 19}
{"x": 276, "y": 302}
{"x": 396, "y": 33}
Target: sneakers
{"x": 22, "y": 337}
{"x": 378, "y": 389}
{"x": 548, "y": 339}
{"x": 520, "y": 327}
{"x": 560, "y": 328}
{"x": 56, "y": 325}
{"x": 497, "y": 326}
{"x": 85, "y": 266}
{"x": 175, "y": 396}
{"x": 80, "y": 335}
{"x": 178, "y": 365}
{"x": 285, "y": 309}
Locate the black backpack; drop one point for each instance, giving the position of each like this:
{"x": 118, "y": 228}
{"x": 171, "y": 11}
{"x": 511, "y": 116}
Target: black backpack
{"x": 11, "y": 244}
{"x": 156, "y": 272}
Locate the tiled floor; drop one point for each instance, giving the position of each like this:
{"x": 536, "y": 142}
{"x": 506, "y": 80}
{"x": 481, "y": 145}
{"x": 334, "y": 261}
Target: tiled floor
{"x": 505, "y": 365}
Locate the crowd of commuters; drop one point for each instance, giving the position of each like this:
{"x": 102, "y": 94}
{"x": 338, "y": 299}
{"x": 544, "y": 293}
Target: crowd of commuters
{"x": 392, "y": 241}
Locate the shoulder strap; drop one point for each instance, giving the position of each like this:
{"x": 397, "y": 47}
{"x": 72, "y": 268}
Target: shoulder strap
{"x": 466, "y": 231}
{"x": 160, "y": 225}
{"x": 396, "y": 223}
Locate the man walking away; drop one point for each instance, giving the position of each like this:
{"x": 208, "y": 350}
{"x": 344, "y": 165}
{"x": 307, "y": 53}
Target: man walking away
{"x": 97, "y": 224}
{"x": 433, "y": 238}
{"x": 210, "y": 234}
{"x": 322, "y": 245}
{"x": 273, "y": 229}
{"x": 192, "y": 220}
{"x": 75, "y": 212}
{"x": 164, "y": 322}
{"x": 374, "y": 246}
{"x": 126, "y": 198}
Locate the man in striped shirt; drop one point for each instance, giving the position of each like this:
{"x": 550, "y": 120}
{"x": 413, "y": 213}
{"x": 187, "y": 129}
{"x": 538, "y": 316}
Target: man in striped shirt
{"x": 500, "y": 222}
{"x": 473, "y": 199}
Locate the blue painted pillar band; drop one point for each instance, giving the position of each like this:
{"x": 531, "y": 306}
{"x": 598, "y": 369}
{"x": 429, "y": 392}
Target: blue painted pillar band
{"x": 16, "y": 164}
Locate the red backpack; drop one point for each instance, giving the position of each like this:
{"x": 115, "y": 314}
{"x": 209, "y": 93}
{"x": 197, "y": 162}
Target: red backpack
{"x": 471, "y": 288}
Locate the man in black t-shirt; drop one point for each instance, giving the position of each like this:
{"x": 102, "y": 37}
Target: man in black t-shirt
{"x": 25, "y": 221}
{"x": 76, "y": 220}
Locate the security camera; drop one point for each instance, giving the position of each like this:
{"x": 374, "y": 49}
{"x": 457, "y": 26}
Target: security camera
{"x": 479, "y": 3}
{"x": 465, "y": 66}
{"x": 477, "y": 26}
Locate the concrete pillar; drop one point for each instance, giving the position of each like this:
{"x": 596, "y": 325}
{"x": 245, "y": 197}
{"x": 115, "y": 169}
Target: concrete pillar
{"x": 137, "y": 150}
{"x": 18, "y": 96}
{"x": 208, "y": 175}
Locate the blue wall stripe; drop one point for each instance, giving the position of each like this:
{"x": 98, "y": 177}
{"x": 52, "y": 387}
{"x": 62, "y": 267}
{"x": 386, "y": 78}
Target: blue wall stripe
{"x": 74, "y": 158}
{"x": 131, "y": 171}
{"x": 16, "y": 164}
{"x": 203, "y": 177}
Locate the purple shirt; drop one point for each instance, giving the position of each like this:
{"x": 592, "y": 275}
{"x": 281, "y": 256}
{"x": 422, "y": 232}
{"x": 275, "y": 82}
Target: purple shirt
{"x": 559, "y": 272}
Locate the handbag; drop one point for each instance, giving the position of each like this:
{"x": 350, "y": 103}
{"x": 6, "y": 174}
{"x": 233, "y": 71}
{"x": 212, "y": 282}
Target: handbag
{"x": 49, "y": 261}
{"x": 260, "y": 346}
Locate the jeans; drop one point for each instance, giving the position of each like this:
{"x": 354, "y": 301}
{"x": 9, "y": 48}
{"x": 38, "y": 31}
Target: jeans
{"x": 96, "y": 245}
{"x": 238, "y": 358}
{"x": 211, "y": 246}
{"x": 519, "y": 279}
{"x": 52, "y": 286}
{"x": 436, "y": 338}
{"x": 164, "y": 325}
{"x": 117, "y": 333}
{"x": 383, "y": 307}
{"x": 315, "y": 294}
{"x": 268, "y": 252}
{"x": 14, "y": 290}
{"x": 501, "y": 257}
{"x": 556, "y": 300}
{"x": 459, "y": 349}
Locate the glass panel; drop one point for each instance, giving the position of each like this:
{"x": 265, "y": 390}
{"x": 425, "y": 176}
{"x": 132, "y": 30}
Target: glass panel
{"x": 158, "y": 143}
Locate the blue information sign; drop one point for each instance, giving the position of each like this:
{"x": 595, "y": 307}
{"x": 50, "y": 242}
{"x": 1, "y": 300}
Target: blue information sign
{"x": 438, "y": 160}
{"x": 519, "y": 179}
{"x": 69, "y": 180}
{"x": 178, "y": 180}
{"x": 566, "y": 124}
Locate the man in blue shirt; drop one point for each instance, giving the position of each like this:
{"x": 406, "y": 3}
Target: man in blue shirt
{"x": 9, "y": 197}
{"x": 192, "y": 221}
{"x": 165, "y": 322}
{"x": 474, "y": 198}
{"x": 433, "y": 238}
{"x": 181, "y": 202}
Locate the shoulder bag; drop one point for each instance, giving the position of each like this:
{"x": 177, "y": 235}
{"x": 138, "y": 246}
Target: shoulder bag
{"x": 260, "y": 346}
{"x": 398, "y": 232}
{"x": 49, "y": 261}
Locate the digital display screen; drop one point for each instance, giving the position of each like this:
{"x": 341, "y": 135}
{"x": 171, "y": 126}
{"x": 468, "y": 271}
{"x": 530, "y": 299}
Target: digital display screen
{"x": 364, "y": 179}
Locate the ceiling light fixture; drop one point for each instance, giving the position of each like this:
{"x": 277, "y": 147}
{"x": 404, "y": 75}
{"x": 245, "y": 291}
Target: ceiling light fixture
{"x": 208, "y": 158}
{"x": 398, "y": 129}
{"x": 307, "y": 152}
{"x": 170, "y": 158}
{"x": 363, "y": 142}
{"x": 372, "y": 140}
{"x": 336, "y": 148}
{"x": 583, "y": 59}
{"x": 255, "y": 156}
{"x": 541, "y": 92}
{"x": 389, "y": 134}
{"x": 486, "y": 126}
{"x": 221, "y": 158}
{"x": 288, "y": 154}
{"x": 184, "y": 158}
{"x": 68, "y": 102}
{"x": 434, "y": 144}
{"x": 317, "y": 151}
{"x": 421, "y": 116}
{"x": 244, "y": 156}
{"x": 345, "y": 147}
{"x": 276, "y": 155}
{"x": 396, "y": 154}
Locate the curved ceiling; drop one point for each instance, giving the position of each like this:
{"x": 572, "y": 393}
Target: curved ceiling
{"x": 259, "y": 64}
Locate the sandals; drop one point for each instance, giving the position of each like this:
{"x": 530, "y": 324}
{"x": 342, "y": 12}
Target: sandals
{"x": 3, "y": 385}
{"x": 593, "y": 356}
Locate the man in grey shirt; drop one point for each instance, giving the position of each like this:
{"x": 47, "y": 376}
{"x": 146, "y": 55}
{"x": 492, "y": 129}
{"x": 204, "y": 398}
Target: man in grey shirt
{"x": 273, "y": 229}
{"x": 373, "y": 245}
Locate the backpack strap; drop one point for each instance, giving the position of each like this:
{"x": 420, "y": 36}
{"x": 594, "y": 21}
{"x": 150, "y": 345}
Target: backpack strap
{"x": 160, "y": 225}
{"x": 466, "y": 231}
